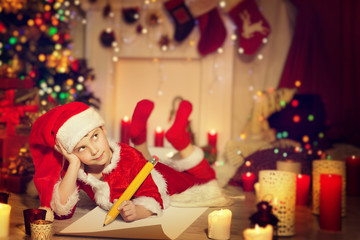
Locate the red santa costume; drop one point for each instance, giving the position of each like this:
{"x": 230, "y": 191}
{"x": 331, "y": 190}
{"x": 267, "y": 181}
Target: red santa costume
{"x": 183, "y": 182}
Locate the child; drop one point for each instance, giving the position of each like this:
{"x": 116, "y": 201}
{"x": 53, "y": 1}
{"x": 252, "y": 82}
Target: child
{"x": 104, "y": 169}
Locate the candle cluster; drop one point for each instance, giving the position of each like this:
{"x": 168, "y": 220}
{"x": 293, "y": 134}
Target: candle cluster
{"x": 159, "y": 134}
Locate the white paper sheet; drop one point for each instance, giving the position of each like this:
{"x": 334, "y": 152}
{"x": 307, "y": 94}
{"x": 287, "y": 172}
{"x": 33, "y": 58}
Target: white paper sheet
{"x": 170, "y": 225}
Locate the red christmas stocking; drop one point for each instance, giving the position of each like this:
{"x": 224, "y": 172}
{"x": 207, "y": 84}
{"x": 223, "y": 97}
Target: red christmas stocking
{"x": 139, "y": 119}
{"x": 211, "y": 26}
{"x": 184, "y": 21}
{"x": 177, "y": 134}
{"x": 252, "y": 27}
{"x": 212, "y": 32}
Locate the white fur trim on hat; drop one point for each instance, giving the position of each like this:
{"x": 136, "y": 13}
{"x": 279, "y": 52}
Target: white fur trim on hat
{"x": 76, "y": 127}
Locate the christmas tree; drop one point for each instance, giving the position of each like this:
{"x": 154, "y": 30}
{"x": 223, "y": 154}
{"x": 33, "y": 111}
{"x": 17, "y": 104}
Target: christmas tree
{"x": 35, "y": 46}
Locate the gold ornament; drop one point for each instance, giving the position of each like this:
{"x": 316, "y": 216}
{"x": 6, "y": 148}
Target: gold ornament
{"x": 16, "y": 64}
{"x": 154, "y": 18}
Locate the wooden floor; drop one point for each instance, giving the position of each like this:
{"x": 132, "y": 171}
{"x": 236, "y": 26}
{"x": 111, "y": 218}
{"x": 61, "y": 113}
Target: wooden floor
{"x": 306, "y": 224}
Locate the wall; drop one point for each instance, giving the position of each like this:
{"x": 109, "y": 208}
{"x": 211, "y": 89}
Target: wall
{"x": 205, "y": 81}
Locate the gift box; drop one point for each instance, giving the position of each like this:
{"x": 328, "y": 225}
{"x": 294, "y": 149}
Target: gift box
{"x": 10, "y": 146}
{"x": 17, "y": 184}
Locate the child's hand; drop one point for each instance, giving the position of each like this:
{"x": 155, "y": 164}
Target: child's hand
{"x": 128, "y": 211}
{"x": 72, "y": 158}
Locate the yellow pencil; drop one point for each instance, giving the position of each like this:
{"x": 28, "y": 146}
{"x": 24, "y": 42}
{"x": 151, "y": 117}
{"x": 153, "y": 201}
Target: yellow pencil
{"x": 131, "y": 189}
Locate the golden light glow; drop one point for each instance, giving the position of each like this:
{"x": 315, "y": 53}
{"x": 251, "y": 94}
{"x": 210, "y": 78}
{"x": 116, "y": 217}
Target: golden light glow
{"x": 42, "y": 57}
{"x": 30, "y": 22}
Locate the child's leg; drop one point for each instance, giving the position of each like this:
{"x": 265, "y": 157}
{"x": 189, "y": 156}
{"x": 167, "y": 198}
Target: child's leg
{"x": 138, "y": 128}
{"x": 178, "y": 135}
{"x": 192, "y": 157}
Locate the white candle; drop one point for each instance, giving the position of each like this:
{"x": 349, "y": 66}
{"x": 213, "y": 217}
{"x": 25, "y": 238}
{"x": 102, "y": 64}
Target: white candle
{"x": 4, "y": 219}
{"x": 258, "y": 233}
{"x": 289, "y": 165}
{"x": 219, "y": 224}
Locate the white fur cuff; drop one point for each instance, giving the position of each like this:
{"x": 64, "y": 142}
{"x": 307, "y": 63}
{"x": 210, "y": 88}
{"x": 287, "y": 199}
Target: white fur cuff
{"x": 187, "y": 163}
{"x": 149, "y": 203}
{"x": 59, "y": 208}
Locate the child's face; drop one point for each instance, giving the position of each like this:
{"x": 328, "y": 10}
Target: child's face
{"x": 94, "y": 149}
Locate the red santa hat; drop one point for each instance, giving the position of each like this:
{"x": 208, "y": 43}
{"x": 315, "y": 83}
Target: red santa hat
{"x": 66, "y": 124}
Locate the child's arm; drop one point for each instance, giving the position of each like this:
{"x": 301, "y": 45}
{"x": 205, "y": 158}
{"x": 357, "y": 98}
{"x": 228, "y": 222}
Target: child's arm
{"x": 68, "y": 184}
{"x": 131, "y": 212}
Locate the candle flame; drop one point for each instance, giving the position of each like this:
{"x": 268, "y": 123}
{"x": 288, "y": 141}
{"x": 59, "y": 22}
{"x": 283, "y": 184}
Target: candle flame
{"x": 213, "y": 132}
{"x": 126, "y": 119}
{"x": 158, "y": 129}
{"x": 299, "y": 176}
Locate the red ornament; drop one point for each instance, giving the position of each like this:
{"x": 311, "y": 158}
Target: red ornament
{"x": 107, "y": 37}
{"x": 75, "y": 65}
{"x": 139, "y": 28}
{"x": 296, "y": 118}
{"x": 294, "y": 103}
{"x": 38, "y": 21}
{"x": 2, "y": 28}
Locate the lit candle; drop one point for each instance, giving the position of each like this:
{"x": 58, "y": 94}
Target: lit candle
{"x": 248, "y": 181}
{"x": 330, "y": 202}
{"x": 280, "y": 188}
{"x": 41, "y": 229}
{"x": 219, "y": 224}
{"x": 258, "y": 233}
{"x": 302, "y": 189}
{"x": 4, "y": 219}
{"x": 353, "y": 175}
{"x": 125, "y": 130}
{"x": 327, "y": 167}
{"x": 212, "y": 138}
{"x": 288, "y": 165}
{"x": 159, "y": 137}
